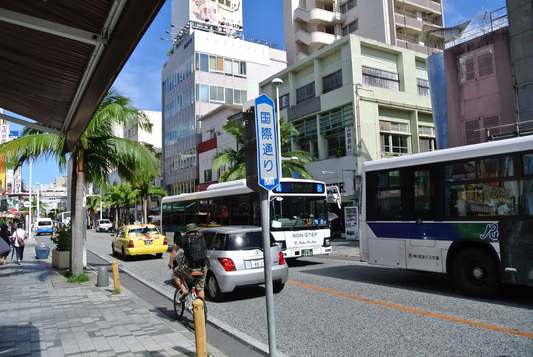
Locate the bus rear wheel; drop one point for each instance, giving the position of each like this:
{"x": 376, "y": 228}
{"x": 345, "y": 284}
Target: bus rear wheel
{"x": 475, "y": 273}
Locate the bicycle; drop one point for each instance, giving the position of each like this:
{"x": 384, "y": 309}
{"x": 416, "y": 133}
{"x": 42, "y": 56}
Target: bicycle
{"x": 181, "y": 305}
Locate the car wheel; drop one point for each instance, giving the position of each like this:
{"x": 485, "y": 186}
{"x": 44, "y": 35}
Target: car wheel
{"x": 475, "y": 273}
{"x": 159, "y": 255}
{"x": 124, "y": 256}
{"x": 278, "y": 287}
{"x": 113, "y": 250}
{"x": 213, "y": 290}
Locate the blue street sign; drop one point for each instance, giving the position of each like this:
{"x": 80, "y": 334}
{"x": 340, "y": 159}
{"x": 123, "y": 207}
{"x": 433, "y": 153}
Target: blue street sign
{"x": 267, "y": 142}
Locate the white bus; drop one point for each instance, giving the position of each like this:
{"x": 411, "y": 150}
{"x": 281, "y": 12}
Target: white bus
{"x": 466, "y": 212}
{"x": 298, "y": 217}
{"x": 63, "y": 217}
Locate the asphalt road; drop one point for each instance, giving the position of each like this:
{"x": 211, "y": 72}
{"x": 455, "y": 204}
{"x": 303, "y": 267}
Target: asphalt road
{"x": 337, "y": 306}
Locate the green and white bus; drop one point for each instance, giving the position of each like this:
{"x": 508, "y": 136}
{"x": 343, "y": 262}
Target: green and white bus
{"x": 298, "y": 213}
{"x": 466, "y": 212}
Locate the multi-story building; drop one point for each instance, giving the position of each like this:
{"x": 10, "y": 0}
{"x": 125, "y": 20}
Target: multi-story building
{"x": 311, "y": 25}
{"x": 479, "y": 86}
{"x": 208, "y": 66}
{"x": 352, "y": 101}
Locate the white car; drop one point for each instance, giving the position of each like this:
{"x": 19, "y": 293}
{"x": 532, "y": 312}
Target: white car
{"x": 235, "y": 255}
{"x": 103, "y": 225}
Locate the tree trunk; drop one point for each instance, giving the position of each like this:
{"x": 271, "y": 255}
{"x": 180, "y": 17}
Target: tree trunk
{"x": 78, "y": 225}
{"x": 144, "y": 210}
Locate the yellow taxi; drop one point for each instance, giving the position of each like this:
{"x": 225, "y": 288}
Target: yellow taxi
{"x": 139, "y": 239}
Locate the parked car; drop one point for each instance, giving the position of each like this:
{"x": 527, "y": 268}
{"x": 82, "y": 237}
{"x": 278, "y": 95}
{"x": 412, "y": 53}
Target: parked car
{"x": 138, "y": 239}
{"x": 235, "y": 256}
{"x": 103, "y": 225}
{"x": 45, "y": 226}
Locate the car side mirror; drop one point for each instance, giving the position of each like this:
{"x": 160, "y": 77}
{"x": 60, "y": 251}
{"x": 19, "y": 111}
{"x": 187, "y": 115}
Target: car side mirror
{"x": 112, "y": 235}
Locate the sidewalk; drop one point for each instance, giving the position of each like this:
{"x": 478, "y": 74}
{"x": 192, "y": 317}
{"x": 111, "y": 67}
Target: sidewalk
{"x": 41, "y": 314}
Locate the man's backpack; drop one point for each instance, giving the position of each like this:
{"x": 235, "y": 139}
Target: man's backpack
{"x": 196, "y": 251}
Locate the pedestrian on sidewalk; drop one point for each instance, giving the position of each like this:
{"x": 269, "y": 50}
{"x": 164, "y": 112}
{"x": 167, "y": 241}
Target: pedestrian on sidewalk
{"x": 19, "y": 236}
{"x": 4, "y": 234}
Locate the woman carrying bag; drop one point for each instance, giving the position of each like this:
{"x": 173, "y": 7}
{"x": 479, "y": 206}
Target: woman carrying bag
{"x": 18, "y": 238}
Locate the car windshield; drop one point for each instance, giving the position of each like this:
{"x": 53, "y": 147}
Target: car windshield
{"x": 143, "y": 231}
{"x": 299, "y": 212}
{"x": 243, "y": 241}
{"x": 45, "y": 223}
{"x": 104, "y": 221}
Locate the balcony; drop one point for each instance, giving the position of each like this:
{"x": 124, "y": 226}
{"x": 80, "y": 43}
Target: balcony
{"x": 314, "y": 38}
{"x": 408, "y": 22}
{"x": 420, "y": 5}
{"x": 416, "y": 47}
{"x": 318, "y": 16}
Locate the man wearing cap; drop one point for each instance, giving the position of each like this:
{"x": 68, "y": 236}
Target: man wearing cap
{"x": 183, "y": 270}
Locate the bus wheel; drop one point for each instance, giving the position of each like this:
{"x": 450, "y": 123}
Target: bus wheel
{"x": 475, "y": 273}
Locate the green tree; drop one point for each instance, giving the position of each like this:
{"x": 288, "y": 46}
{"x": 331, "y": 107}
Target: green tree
{"x": 234, "y": 159}
{"x": 145, "y": 188}
{"x": 97, "y": 153}
{"x": 93, "y": 205}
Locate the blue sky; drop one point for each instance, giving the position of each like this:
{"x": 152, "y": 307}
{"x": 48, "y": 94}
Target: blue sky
{"x": 140, "y": 79}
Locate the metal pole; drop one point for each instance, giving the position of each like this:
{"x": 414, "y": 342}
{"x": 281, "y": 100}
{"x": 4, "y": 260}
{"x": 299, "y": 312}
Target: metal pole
{"x": 279, "y": 131}
{"x": 37, "y": 215}
{"x": 265, "y": 223}
{"x": 100, "y": 205}
{"x": 29, "y": 217}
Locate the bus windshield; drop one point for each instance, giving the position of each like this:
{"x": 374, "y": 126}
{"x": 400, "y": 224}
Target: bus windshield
{"x": 298, "y": 212}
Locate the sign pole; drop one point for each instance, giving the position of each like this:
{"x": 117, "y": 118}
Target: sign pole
{"x": 268, "y": 173}
{"x": 269, "y": 286}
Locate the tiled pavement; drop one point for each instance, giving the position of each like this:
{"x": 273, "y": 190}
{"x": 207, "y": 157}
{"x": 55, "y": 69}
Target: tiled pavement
{"x": 43, "y": 315}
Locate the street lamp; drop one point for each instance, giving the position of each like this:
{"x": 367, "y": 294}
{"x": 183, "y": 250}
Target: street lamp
{"x": 278, "y": 82}
{"x": 37, "y": 215}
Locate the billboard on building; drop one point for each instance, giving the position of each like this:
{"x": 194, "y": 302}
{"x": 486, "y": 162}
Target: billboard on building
{"x": 4, "y": 134}
{"x": 217, "y": 12}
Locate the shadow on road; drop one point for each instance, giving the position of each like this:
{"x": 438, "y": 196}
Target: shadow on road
{"x": 432, "y": 283}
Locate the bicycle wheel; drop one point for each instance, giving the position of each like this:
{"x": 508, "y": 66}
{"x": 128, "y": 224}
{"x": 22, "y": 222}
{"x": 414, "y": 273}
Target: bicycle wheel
{"x": 179, "y": 306}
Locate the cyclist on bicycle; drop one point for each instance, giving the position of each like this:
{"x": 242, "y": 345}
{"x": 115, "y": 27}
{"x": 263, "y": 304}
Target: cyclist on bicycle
{"x": 186, "y": 268}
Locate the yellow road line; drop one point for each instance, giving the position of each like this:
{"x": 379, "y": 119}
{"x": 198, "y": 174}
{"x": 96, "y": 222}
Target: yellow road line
{"x": 444, "y": 317}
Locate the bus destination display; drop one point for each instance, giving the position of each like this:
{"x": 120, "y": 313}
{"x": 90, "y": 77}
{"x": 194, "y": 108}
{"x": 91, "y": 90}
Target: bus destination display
{"x": 299, "y": 187}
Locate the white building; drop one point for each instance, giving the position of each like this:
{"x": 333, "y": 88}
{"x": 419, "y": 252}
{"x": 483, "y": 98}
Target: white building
{"x": 208, "y": 66}
{"x": 352, "y": 101}
{"x": 311, "y": 25}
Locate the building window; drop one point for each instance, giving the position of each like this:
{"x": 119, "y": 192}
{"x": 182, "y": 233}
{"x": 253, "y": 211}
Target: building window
{"x": 337, "y": 146}
{"x": 202, "y": 63}
{"x": 305, "y": 92}
{"x": 333, "y": 121}
{"x": 350, "y": 4}
{"x": 332, "y": 82}
{"x": 208, "y": 175}
{"x": 383, "y": 79}
{"x": 216, "y": 94}
{"x": 423, "y": 87}
{"x": 392, "y": 143}
{"x": 351, "y": 28}
{"x": 476, "y": 64}
{"x": 427, "y": 144}
{"x": 284, "y": 101}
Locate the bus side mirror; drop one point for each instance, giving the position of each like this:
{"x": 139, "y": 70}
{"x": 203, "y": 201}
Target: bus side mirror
{"x": 418, "y": 220}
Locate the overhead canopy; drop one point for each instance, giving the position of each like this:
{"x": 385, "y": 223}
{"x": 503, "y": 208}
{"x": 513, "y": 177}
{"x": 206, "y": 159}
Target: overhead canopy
{"x": 58, "y": 58}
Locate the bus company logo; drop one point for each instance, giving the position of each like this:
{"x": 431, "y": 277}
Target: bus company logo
{"x": 491, "y": 232}
{"x": 423, "y": 256}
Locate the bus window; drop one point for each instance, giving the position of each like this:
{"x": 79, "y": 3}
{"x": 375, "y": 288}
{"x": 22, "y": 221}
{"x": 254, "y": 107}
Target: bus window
{"x": 422, "y": 191}
{"x": 389, "y": 195}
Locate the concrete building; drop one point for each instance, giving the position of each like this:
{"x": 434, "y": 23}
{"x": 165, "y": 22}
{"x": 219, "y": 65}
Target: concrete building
{"x": 479, "y": 88}
{"x": 352, "y": 101}
{"x": 208, "y": 66}
{"x": 311, "y": 25}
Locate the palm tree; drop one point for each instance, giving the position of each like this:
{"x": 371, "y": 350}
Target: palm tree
{"x": 96, "y": 154}
{"x": 145, "y": 188}
{"x": 113, "y": 198}
{"x": 235, "y": 158}
{"x": 128, "y": 194}
{"x": 93, "y": 204}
